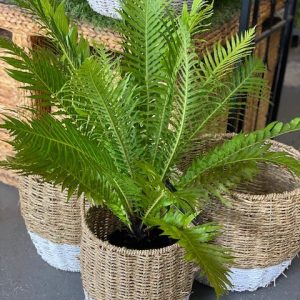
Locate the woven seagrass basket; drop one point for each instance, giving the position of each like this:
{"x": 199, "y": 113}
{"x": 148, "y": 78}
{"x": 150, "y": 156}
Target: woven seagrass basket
{"x": 114, "y": 273}
{"x": 53, "y": 224}
{"x": 262, "y": 227}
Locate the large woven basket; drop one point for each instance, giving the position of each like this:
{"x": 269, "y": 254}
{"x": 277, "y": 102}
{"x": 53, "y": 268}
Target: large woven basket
{"x": 263, "y": 225}
{"x": 53, "y": 224}
{"x": 110, "y": 8}
{"x": 115, "y": 273}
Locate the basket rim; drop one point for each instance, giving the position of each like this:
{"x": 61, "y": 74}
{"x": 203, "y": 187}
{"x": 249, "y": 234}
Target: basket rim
{"x": 124, "y": 250}
{"x": 269, "y": 196}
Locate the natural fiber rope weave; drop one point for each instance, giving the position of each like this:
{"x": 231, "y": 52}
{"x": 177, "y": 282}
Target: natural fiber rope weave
{"x": 263, "y": 225}
{"x": 87, "y": 297}
{"x": 47, "y": 212}
{"x": 115, "y": 273}
{"x": 21, "y": 22}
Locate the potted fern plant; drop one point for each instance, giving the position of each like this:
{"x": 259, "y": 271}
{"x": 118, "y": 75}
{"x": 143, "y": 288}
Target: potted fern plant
{"x": 122, "y": 127}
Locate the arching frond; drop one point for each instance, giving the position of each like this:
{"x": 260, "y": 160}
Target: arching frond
{"x": 238, "y": 158}
{"x": 196, "y": 18}
{"x": 232, "y": 93}
{"x": 51, "y": 14}
{"x": 178, "y": 40}
{"x": 64, "y": 156}
{"x": 184, "y": 96}
{"x": 224, "y": 58}
{"x": 38, "y": 71}
{"x": 143, "y": 30}
{"x": 212, "y": 259}
{"x": 107, "y": 105}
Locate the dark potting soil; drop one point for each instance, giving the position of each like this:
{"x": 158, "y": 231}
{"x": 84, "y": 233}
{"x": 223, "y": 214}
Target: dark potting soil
{"x": 145, "y": 239}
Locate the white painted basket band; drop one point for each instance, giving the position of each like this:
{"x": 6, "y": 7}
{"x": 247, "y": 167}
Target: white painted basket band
{"x": 252, "y": 279}
{"x": 60, "y": 256}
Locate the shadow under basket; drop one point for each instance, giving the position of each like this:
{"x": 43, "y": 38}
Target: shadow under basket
{"x": 54, "y": 225}
{"x": 114, "y": 273}
{"x": 262, "y": 226}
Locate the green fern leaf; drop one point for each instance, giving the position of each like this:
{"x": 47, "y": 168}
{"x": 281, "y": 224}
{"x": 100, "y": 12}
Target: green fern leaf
{"x": 233, "y": 93}
{"x": 196, "y": 240}
{"x": 240, "y": 155}
{"x": 52, "y": 16}
{"x": 107, "y": 105}
{"x": 64, "y": 156}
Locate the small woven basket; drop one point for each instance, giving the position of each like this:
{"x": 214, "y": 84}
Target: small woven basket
{"x": 262, "y": 227}
{"x": 109, "y": 8}
{"x": 115, "y": 273}
{"x": 53, "y": 224}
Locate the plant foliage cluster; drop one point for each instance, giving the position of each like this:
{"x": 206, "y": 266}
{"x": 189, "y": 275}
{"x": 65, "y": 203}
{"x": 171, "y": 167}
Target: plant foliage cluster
{"x": 80, "y": 10}
{"x": 122, "y": 126}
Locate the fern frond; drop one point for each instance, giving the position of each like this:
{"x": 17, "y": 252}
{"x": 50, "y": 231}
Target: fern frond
{"x": 232, "y": 93}
{"x": 144, "y": 44}
{"x": 107, "y": 106}
{"x": 223, "y": 59}
{"x": 198, "y": 101}
{"x": 238, "y": 158}
{"x": 185, "y": 95}
{"x": 64, "y": 156}
{"x": 196, "y": 240}
{"x": 178, "y": 37}
{"x": 39, "y": 70}
{"x": 51, "y": 14}
{"x": 196, "y": 18}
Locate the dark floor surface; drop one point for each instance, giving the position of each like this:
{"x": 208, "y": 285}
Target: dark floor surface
{"x": 24, "y": 276}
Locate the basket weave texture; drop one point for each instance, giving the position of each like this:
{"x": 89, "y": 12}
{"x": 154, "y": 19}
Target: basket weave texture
{"x": 47, "y": 213}
{"x": 114, "y": 273}
{"x": 262, "y": 226}
{"x": 23, "y": 24}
